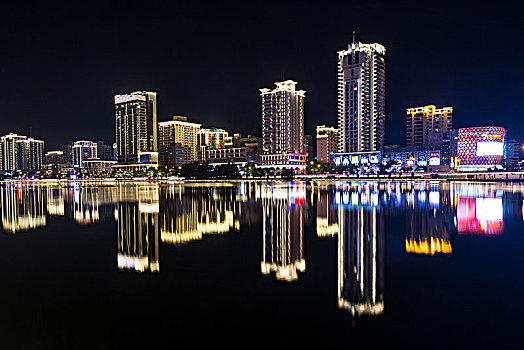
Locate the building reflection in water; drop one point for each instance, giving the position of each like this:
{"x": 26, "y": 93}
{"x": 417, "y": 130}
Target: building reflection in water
{"x": 283, "y": 219}
{"x": 138, "y": 228}
{"x": 428, "y": 224}
{"x": 360, "y": 252}
{"x": 327, "y": 218}
{"x": 480, "y": 209}
{"x": 23, "y": 207}
{"x": 189, "y": 213}
{"x": 56, "y": 200}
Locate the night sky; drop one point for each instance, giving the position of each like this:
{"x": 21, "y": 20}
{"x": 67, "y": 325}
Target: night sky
{"x": 61, "y": 64}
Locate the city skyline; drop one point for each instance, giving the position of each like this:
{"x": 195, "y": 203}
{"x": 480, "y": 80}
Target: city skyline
{"x": 73, "y": 68}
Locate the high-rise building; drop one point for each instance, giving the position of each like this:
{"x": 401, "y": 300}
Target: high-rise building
{"x": 178, "y": 131}
{"x": 361, "y": 98}
{"x": 424, "y": 122}
{"x": 283, "y": 119}
{"x": 82, "y": 151}
{"x": 136, "y": 127}
{"x": 326, "y": 142}
{"x": 19, "y": 152}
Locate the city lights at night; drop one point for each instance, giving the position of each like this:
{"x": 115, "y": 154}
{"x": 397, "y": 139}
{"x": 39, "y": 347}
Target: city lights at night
{"x": 352, "y": 171}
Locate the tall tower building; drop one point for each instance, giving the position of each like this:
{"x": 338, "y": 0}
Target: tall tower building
{"x": 361, "y": 97}
{"x": 283, "y": 119}
{"x": 136, "y": 126}
{"x": 180, "y": 133}
{"x": 423, "y": 121}
{"x": 326, "y": 142}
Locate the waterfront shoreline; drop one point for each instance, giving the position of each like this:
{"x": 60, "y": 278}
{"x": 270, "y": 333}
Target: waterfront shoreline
{"x": 510, "y": 176}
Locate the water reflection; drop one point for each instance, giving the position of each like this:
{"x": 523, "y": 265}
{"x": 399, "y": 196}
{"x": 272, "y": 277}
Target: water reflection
{"x": 361, "y": 259}
{"x": 137, "y": 220}
{"x": 283, "y": 220}
{"x": 23, "y": 207}
{"x": 149, "y": 216}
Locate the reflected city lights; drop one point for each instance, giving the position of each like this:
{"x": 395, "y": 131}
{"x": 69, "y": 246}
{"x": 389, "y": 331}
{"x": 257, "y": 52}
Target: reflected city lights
{"x": 283, "y": 220}
{"x": 148, "y": 215}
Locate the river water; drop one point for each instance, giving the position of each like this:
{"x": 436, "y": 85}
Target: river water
{"x": 372, "y": 264}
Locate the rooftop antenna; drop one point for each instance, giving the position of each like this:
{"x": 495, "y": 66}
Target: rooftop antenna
{"x": 353, "y": 38}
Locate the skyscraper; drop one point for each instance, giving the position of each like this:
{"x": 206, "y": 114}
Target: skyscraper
{"x": 422, "y": 122}
{"x": 136, "y": 127}
{"x": 361, "y": 97}
{"x": 283, "y": 119}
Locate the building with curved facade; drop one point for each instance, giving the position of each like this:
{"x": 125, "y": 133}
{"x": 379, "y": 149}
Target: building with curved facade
{"x": 480, "y": 148}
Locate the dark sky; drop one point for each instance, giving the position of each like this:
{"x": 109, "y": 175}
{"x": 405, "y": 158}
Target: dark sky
{"x": 62, "y": 63}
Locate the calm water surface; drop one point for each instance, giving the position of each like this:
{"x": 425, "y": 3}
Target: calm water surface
{"x": 373, "y": 264}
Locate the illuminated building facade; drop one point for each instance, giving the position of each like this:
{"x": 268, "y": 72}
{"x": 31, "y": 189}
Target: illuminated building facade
{"x": 326, "y": 142}
{"x": 361, "y": 98}
{"x": 178, "y": 131}
{"x": 428, "y": 157}
{"x": 361, "y": 259}
{"x": 480, "y": 148}
{"x": 283, "y": 119}
{"x": 82, "y": 151}
{"x": 283, "y": 218}
{"x": 236, "y": 140}
{"x": 211, "y": 138}
{"x": 236, "y": 155}
{"x": 424, "y": 121}
{"x": 18, "y": 152}
{"x": 136, "y": 127}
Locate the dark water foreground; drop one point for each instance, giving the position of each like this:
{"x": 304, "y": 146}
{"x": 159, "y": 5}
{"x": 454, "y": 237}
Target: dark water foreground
{"x": 369, "y": 264}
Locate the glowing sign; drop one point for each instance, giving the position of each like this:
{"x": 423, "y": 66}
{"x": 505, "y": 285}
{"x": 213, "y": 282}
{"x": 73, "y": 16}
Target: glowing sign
{"x": 364, "y": 160}
{"x": 434, "y": 158}
{"x": 337, "y": 161}
{"x": 490, "y": 149}
{"x": 373, "y": 159}
{"x": 345, "y": 161}
{"x": 354, "y": 159}
{"x": 422, "y": 159}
